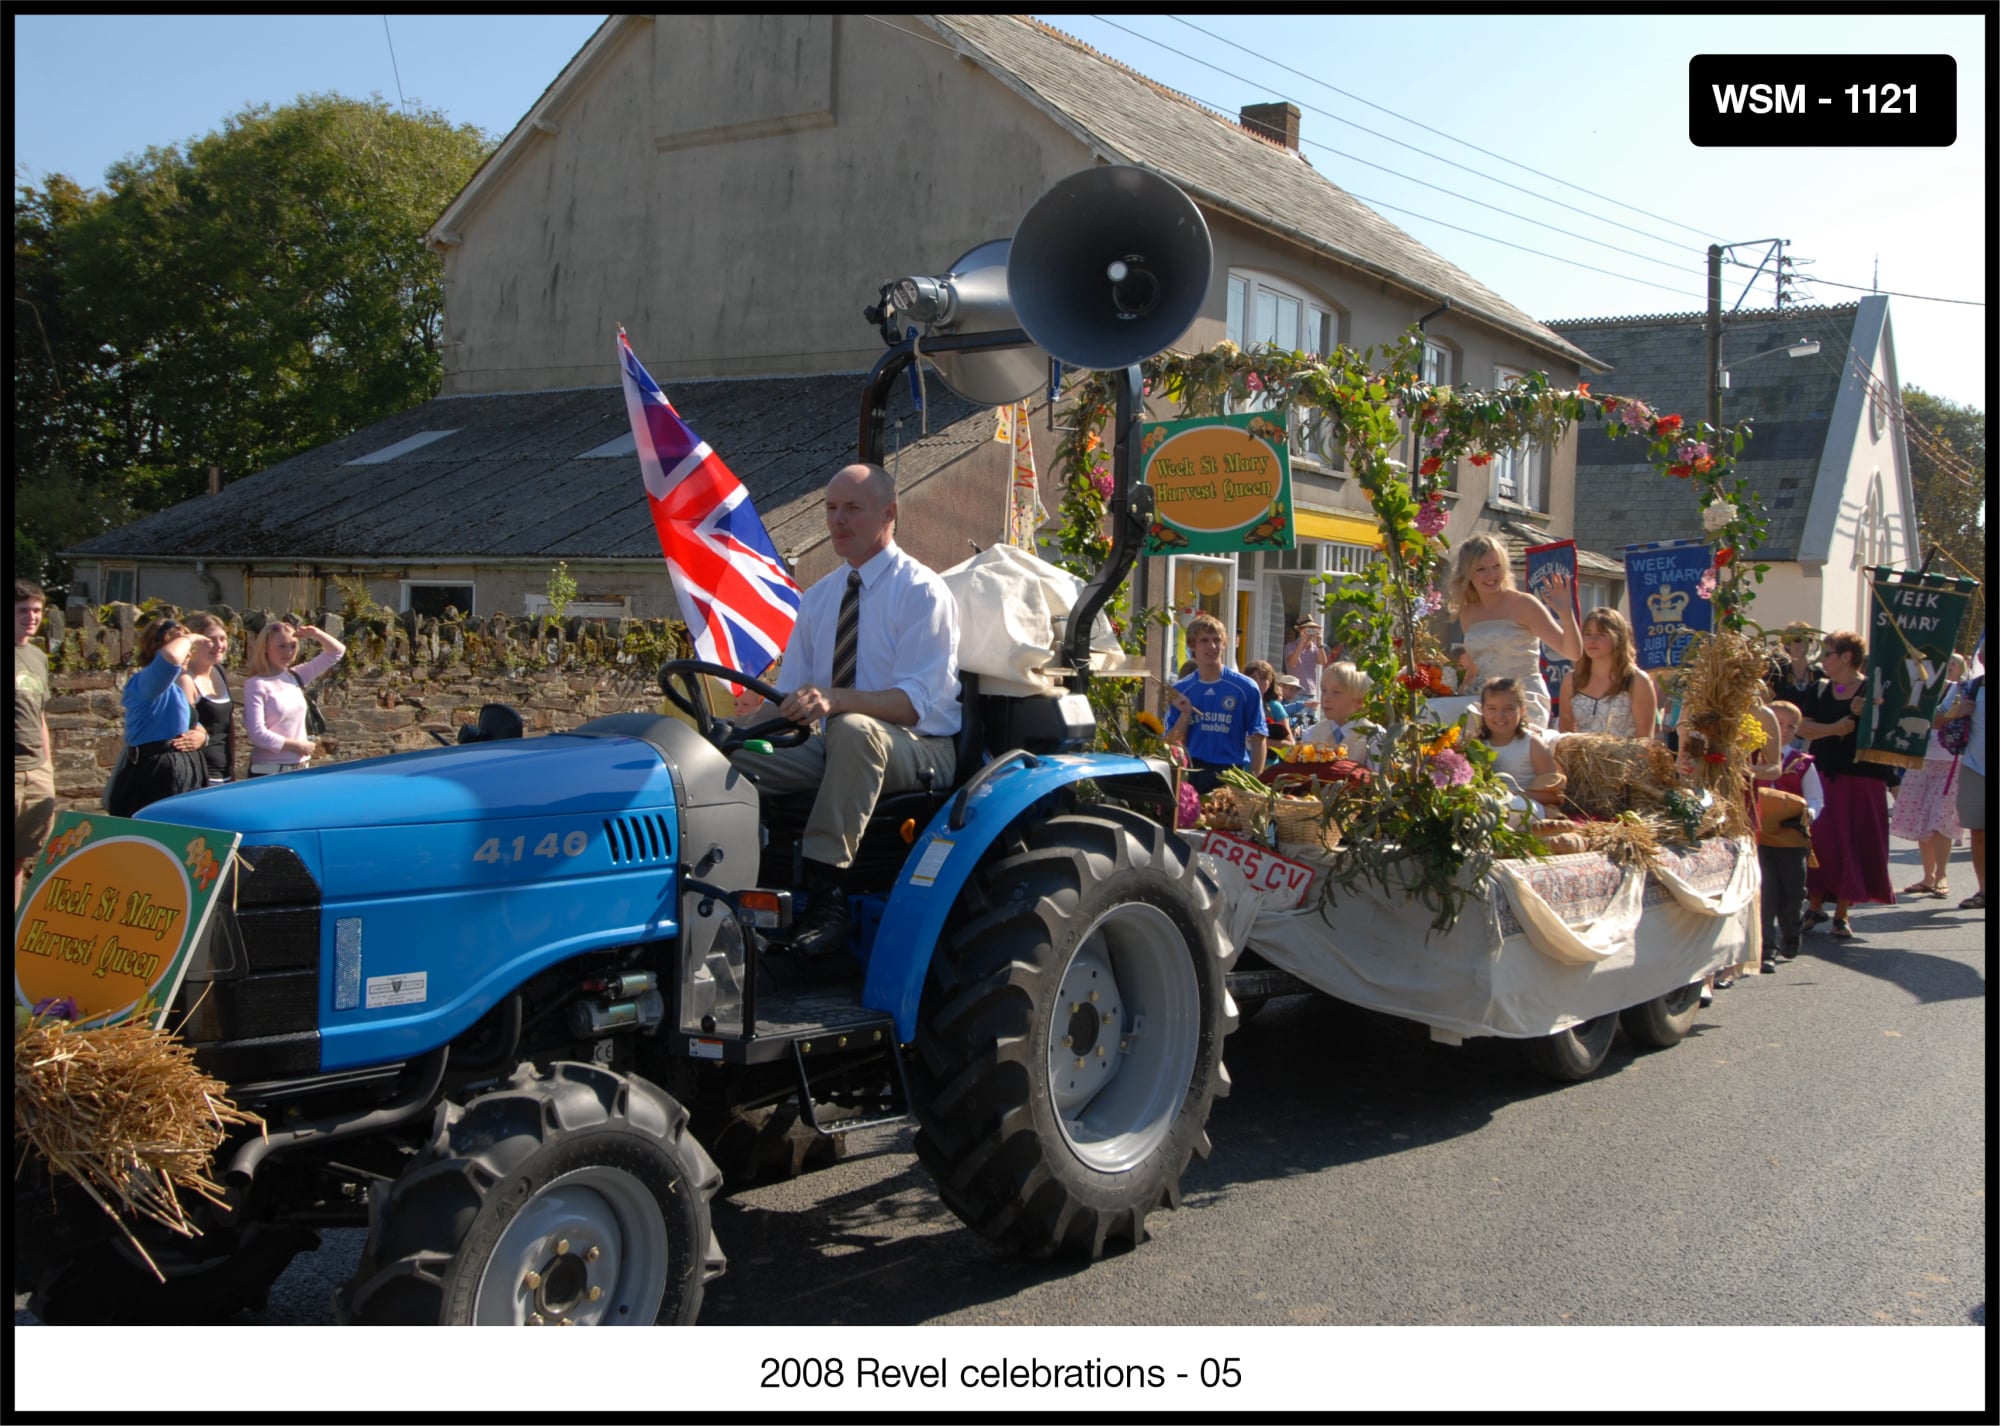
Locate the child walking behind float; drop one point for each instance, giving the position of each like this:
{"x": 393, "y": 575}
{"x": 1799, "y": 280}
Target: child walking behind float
{"x": 1783, "y": 842}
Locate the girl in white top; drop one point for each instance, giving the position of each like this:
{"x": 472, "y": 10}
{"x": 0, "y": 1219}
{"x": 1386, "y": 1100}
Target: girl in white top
{"x": 1520, "y": 753}
{"x": 274, "y": 696}
{"x": 1607, "y": 692}
{"x": 1505, "y": 627}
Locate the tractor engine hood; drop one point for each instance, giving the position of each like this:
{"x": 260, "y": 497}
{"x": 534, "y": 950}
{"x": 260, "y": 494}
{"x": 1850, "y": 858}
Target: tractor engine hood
{"x": 563, "y": 773}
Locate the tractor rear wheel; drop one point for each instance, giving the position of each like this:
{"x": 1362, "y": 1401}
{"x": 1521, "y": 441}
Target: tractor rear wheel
{"x": 571, "y": 1196}
{"x": 1069, "y": 1041}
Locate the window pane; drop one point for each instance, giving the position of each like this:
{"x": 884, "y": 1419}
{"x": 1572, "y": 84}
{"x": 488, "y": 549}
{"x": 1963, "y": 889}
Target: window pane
{"x": 1288, "y": 323}
{"x": 1239, "y": 291}
{"x": 1319, "y": 331}
{"x": 430, "y": 600}
{"x": 121, "y": 586}
{"x": 1266, "y": 329}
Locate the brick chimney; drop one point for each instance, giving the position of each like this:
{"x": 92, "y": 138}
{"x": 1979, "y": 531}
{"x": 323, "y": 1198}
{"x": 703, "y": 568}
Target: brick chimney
{"x": 1278, "y": 121}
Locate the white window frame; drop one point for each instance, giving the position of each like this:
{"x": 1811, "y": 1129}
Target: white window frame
{"x": 1315, "y": 329}
{"x": 1227, "y": 599}
{"x": 106, "y": 573}
{"x": 1440, "y": 361}
{"x": 1525, "y": 468}
{"x": 410, "y": 584}
{"x": 1265, "y": 572}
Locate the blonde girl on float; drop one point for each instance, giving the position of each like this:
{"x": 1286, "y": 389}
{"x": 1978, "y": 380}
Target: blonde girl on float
{"x": 1504, "y": 627}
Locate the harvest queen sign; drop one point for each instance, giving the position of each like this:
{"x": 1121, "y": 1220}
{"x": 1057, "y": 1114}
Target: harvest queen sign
{"x": 1220, "y": 484}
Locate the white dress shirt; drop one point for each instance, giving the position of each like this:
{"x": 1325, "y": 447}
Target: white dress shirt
{"x": 908, "y": 638}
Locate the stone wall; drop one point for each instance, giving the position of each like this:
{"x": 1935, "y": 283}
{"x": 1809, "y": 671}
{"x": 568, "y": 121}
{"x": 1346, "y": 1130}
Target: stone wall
{"x": 406, "y": 682}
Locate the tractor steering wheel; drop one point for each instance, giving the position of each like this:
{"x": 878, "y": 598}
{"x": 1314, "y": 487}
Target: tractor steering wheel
{"x": 685, "y": 684}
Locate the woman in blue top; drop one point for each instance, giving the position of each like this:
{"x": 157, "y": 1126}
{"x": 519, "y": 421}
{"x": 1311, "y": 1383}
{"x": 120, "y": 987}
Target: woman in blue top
{"x": 163, "y": 741}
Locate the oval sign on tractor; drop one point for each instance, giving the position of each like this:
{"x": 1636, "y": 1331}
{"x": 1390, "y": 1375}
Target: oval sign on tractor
{"x": 106, "y": 928}
{"x": 1221, "y": 483}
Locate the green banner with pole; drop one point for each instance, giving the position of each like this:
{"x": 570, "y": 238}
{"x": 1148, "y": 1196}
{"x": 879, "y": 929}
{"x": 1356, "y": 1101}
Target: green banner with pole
{"x": 113, "y": 915}
{"x": 1912, "y": 628}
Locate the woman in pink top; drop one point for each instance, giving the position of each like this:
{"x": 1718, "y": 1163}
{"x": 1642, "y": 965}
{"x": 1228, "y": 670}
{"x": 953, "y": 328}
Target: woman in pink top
{"x": 274, "y": 696}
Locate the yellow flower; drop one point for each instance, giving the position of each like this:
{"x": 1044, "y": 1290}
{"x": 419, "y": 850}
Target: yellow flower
{"x": 1151, "y": 723}
{"x": 1446, "y": 739}
{"x": 1751, "y": 730}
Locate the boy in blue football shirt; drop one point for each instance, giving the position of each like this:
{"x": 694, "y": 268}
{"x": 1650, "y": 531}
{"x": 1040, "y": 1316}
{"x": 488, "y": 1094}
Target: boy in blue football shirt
{"x": 1215, "y": 712}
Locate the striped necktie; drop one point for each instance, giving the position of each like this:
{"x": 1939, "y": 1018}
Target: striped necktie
{"x": 847, "y": 633}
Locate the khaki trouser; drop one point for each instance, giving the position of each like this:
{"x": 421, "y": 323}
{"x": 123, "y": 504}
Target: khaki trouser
{"x": 34, "y": 809}
{"x": 857, "y": 760}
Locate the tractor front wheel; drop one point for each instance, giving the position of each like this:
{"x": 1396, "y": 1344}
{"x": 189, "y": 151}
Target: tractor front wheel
{"x": 570, "y": 1197}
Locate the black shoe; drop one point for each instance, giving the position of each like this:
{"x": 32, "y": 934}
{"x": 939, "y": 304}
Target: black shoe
{"x": 1768, "y": 966}
{"x": 1789, "y": 951}
{"x": 823, "y": 931}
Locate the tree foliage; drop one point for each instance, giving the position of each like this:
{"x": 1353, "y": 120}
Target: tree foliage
{"x": 256, "y": 293}
{"x": 1947, "y": 445}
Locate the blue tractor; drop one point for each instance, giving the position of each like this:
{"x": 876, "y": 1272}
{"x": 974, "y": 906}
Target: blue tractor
{"x": 507, "y": 1003}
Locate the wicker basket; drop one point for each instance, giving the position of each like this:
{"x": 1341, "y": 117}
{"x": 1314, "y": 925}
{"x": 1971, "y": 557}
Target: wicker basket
{"x": 1300, "y": 820}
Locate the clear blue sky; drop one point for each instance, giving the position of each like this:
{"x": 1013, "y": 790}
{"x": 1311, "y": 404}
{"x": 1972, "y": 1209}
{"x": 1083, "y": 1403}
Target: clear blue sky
{"x": 1596, "y": 102}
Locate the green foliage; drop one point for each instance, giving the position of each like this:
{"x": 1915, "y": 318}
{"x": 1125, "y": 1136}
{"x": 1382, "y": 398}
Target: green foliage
{"x": 259, "y": 292}
{"x": 356, "y": 602}
{"x": 561, "y": 590}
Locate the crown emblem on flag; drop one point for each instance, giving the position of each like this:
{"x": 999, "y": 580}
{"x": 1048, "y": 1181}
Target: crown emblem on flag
{"x": 1667, "y": 604}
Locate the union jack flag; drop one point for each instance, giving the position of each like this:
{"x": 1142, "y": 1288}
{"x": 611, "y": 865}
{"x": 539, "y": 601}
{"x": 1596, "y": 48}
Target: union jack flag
{"x": 736, "y": 596}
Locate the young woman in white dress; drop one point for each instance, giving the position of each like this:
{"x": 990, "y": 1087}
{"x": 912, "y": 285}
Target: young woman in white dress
{"x": 1607, "y": 692}
{"x": 1505, "y": 627}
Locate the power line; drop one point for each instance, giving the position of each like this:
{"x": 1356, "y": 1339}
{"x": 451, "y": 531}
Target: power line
{"x": 1913, "y": 296}
{"x": 1471, "y": 232}
{"x": 1942, "y": 453}
{"x": 1386, "y": 138}
{"x": 1526, "y": 168}
{"x": 393, "y": 66}
{"x": 1535, "y": 252}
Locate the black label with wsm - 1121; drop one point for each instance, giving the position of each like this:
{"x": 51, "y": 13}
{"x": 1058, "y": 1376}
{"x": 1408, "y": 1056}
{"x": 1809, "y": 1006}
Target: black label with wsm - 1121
{"x": 1822, "y": 100}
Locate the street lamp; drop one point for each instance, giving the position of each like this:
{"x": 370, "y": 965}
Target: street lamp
{"x": 1803, "y": 347}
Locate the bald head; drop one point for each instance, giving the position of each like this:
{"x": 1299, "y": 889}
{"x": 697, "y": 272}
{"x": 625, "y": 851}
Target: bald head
{"x": 860, "y": 512}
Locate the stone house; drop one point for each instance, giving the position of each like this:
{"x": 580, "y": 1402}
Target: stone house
{"x": 735, "y": 189}
{"x": 1826, "y": 457}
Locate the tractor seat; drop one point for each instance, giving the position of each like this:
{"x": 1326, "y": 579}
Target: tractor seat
{"x": 882, "y": 845}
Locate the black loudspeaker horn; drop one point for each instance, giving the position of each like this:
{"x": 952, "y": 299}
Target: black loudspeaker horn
{"x": 1109, "y": 267}
{"x": 969, "y": 299}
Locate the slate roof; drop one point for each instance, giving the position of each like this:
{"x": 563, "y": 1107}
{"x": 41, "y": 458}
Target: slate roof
{"x": 1130, "y": 119}
{"x": 1663, "y": 360}
{"x": 509, "y": 483}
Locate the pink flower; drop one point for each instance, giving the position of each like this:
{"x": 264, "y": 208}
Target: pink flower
{"x": 1435, "y": 441}
{"x": 1431, "y": 517}
{"x": 1253, "y": 381}
{"x": 1190, "y": 808}
{"x": 1688, "y": 452}
{"x": 1705, "y": 587}
{"x": 1104, "y": 483}
{"x": 1450, "y": 769}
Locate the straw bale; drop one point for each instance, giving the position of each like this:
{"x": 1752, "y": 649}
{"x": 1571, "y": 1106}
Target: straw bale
{"x": 1608, "y": 775}
{"x": 124, "y": 1112}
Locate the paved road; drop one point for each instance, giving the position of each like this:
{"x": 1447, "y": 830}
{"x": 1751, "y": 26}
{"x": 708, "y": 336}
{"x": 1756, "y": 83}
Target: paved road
{"x": 1815, "y": 1152}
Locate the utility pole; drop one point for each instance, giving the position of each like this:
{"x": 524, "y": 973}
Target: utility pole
{"x": 1715, "y": 337}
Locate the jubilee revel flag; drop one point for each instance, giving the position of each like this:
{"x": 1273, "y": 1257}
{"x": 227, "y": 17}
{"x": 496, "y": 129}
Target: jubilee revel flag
{"x": 736, "y": 596}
